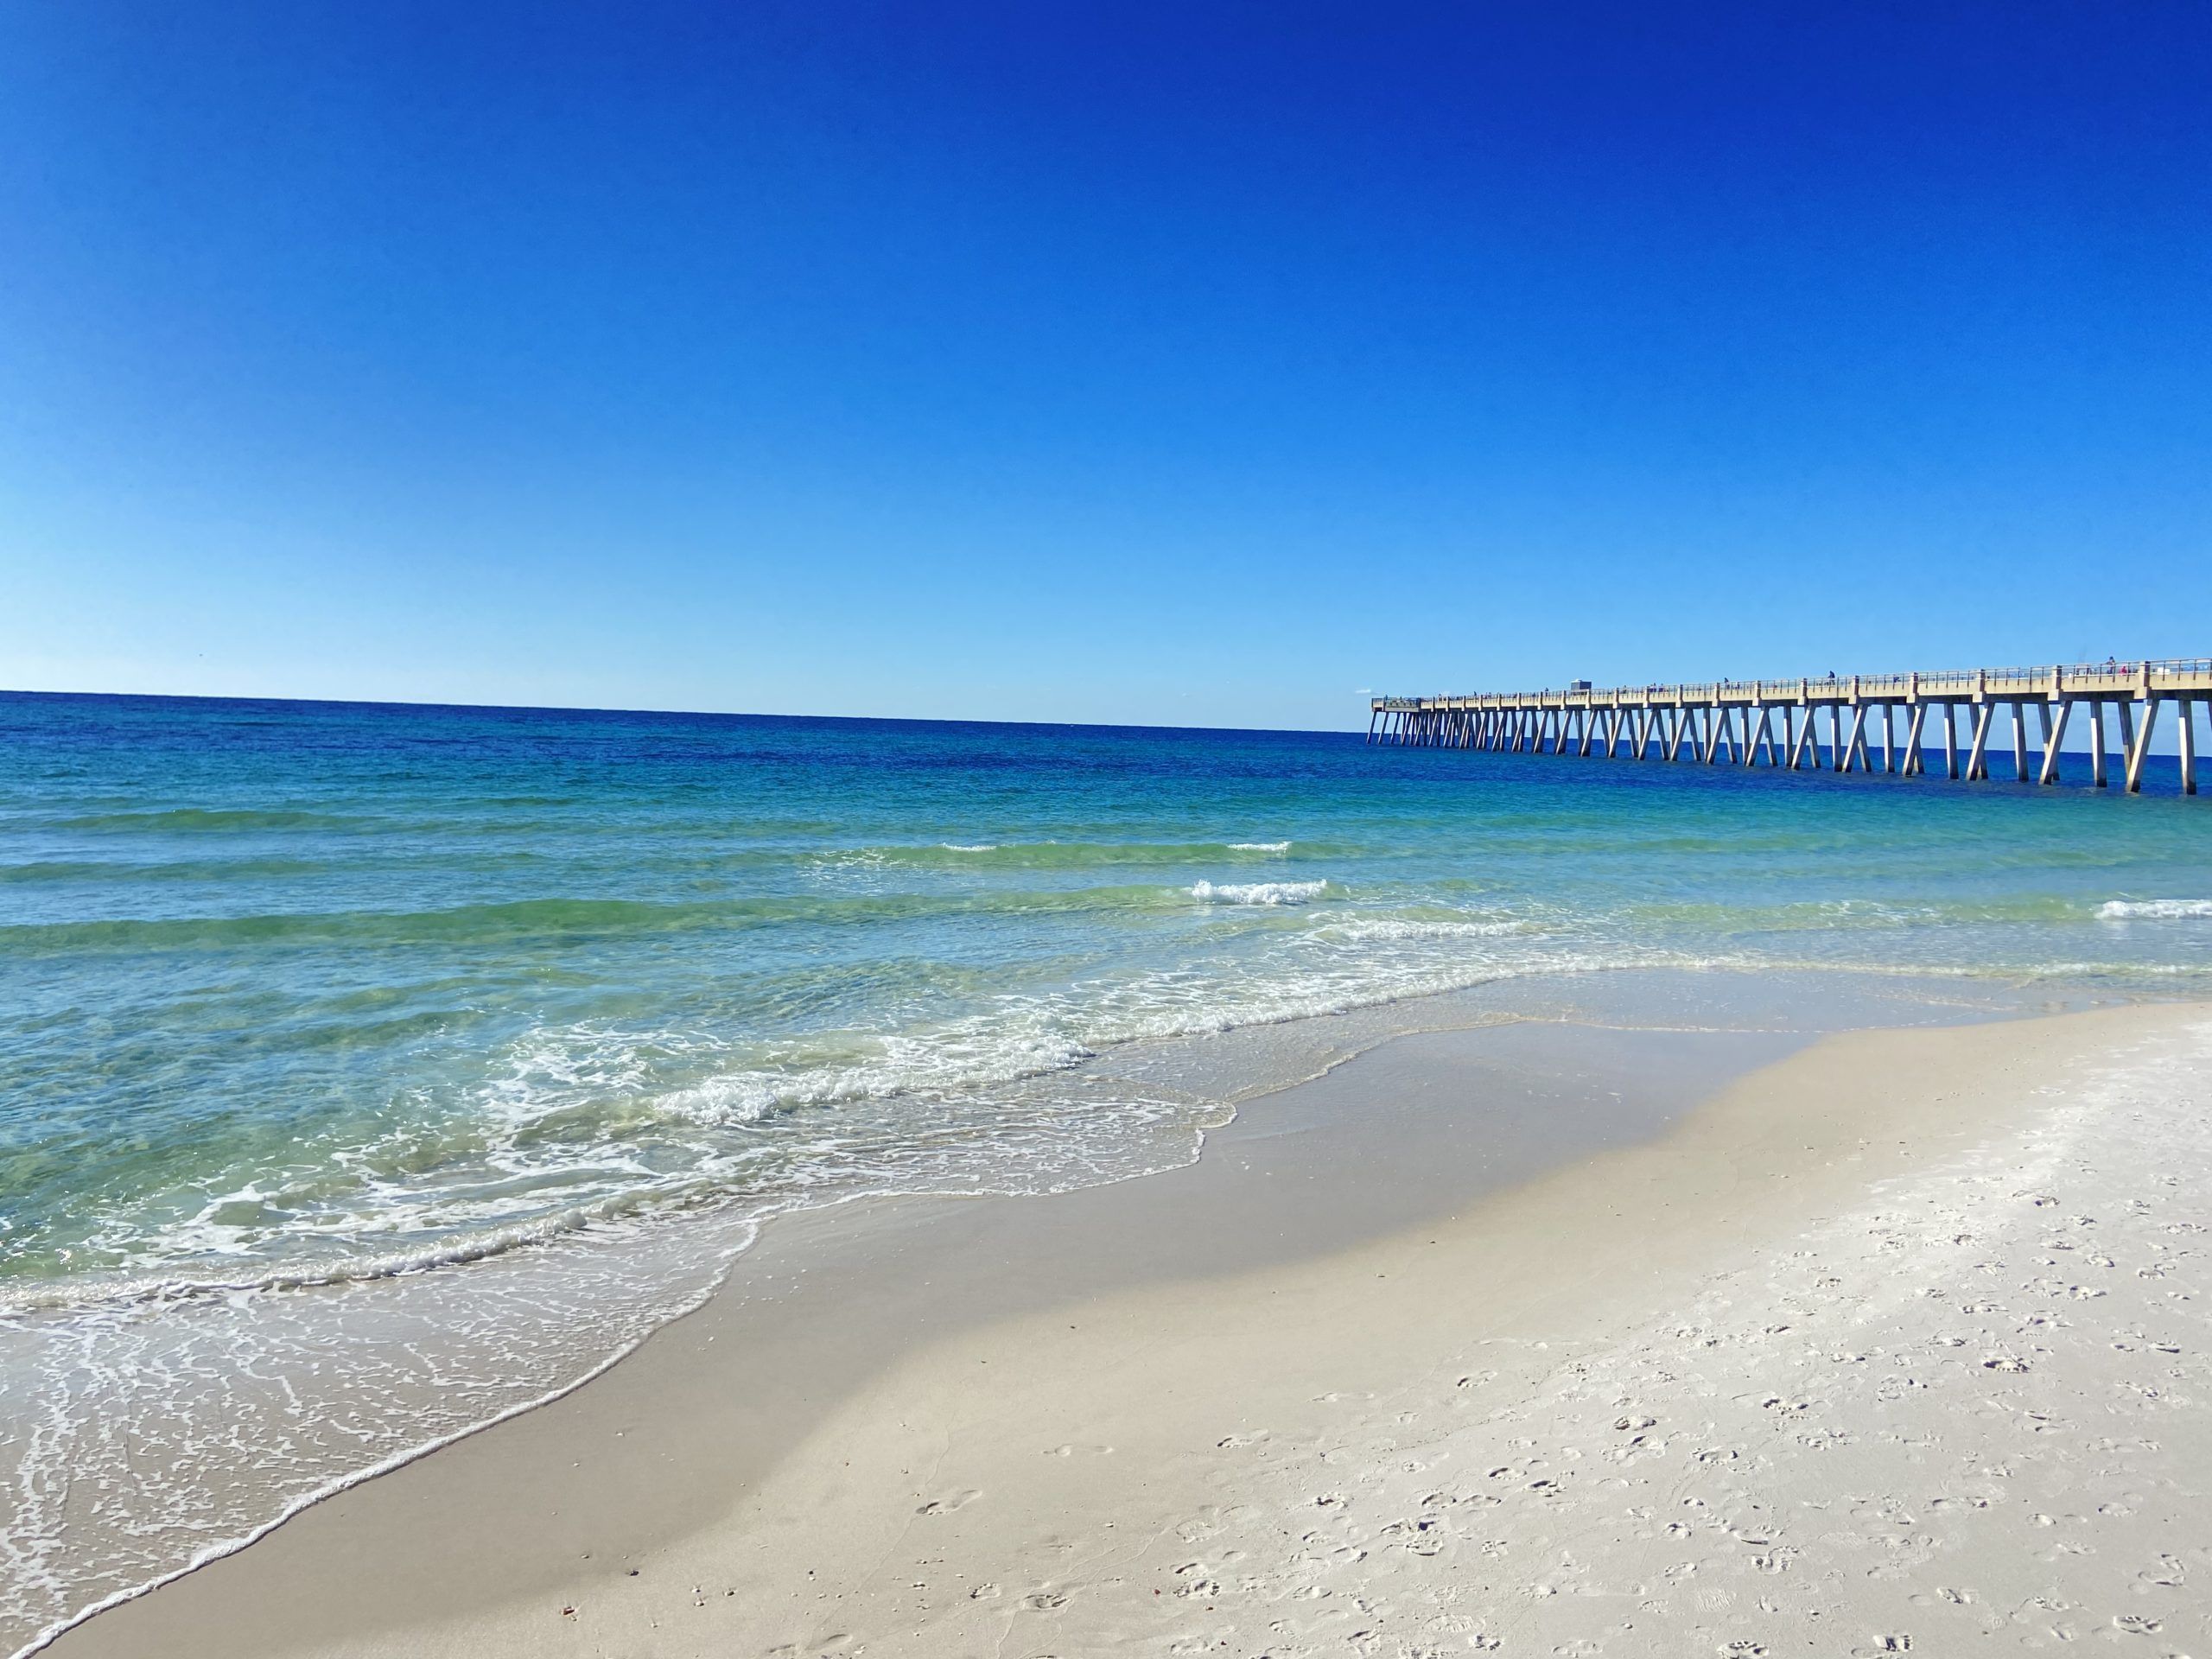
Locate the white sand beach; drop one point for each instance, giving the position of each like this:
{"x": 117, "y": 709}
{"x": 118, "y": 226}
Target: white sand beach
{"x": 1897, "y": 1343}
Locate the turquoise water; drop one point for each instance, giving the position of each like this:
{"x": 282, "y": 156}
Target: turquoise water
{"x": 304, "y": 996}
{"x": 291, "y": 984}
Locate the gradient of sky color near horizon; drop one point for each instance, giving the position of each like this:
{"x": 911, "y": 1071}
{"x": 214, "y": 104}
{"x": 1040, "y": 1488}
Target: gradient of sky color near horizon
{"x": 1205, "y": 364}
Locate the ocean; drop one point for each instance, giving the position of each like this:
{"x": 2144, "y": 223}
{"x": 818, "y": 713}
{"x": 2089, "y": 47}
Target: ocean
{"x": 371, "y": 1073}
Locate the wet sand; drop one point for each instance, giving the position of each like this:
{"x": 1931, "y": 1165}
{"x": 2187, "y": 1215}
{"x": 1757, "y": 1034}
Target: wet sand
{"x": 1240, "y": 1408}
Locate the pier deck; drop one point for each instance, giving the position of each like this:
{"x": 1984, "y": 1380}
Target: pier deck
{"x": 1735, "y": 722}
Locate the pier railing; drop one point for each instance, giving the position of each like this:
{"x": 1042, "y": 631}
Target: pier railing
{"x": 1714, "y": 719}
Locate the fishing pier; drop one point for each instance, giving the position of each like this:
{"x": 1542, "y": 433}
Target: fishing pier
{"x": 1734, "y": 722}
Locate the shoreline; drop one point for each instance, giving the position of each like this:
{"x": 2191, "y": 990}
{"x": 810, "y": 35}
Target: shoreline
{"x": 378, "y": 1341}
{"x": 651, "y": 1479}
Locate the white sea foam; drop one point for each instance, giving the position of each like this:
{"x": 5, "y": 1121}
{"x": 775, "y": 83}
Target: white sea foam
{"x": 1259, "y": 846}
{"x": 1395, "y": 930}
{"x": 1258, "y": 892}
{"x": 321, "y": 1391}
{"x": 2155, "y": 910}
{"x": 974, "y": 847}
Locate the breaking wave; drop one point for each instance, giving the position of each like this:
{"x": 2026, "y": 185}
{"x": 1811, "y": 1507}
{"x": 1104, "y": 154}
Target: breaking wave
{"x": 2155, "y": 910}
{"x": 1258, "y": 892}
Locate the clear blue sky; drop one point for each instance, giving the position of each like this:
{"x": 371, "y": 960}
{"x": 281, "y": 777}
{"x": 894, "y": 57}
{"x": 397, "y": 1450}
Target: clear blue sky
{"x": 1160, "y": 363}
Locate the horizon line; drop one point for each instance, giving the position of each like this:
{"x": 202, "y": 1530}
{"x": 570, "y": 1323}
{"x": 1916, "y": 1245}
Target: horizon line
{"x": 686, "y": 714}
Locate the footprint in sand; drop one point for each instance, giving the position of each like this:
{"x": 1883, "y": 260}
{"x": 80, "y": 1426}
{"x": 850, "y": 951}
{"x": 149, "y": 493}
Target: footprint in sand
{"x": 946, "y": 1505}
{"x": 2168, "y": 1575}
{"x": 1945, "y": 1593}
{"x": 1252, "y": 1437}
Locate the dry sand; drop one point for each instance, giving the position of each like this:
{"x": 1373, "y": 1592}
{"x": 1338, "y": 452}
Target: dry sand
{"x": 1897, "y": 1343}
